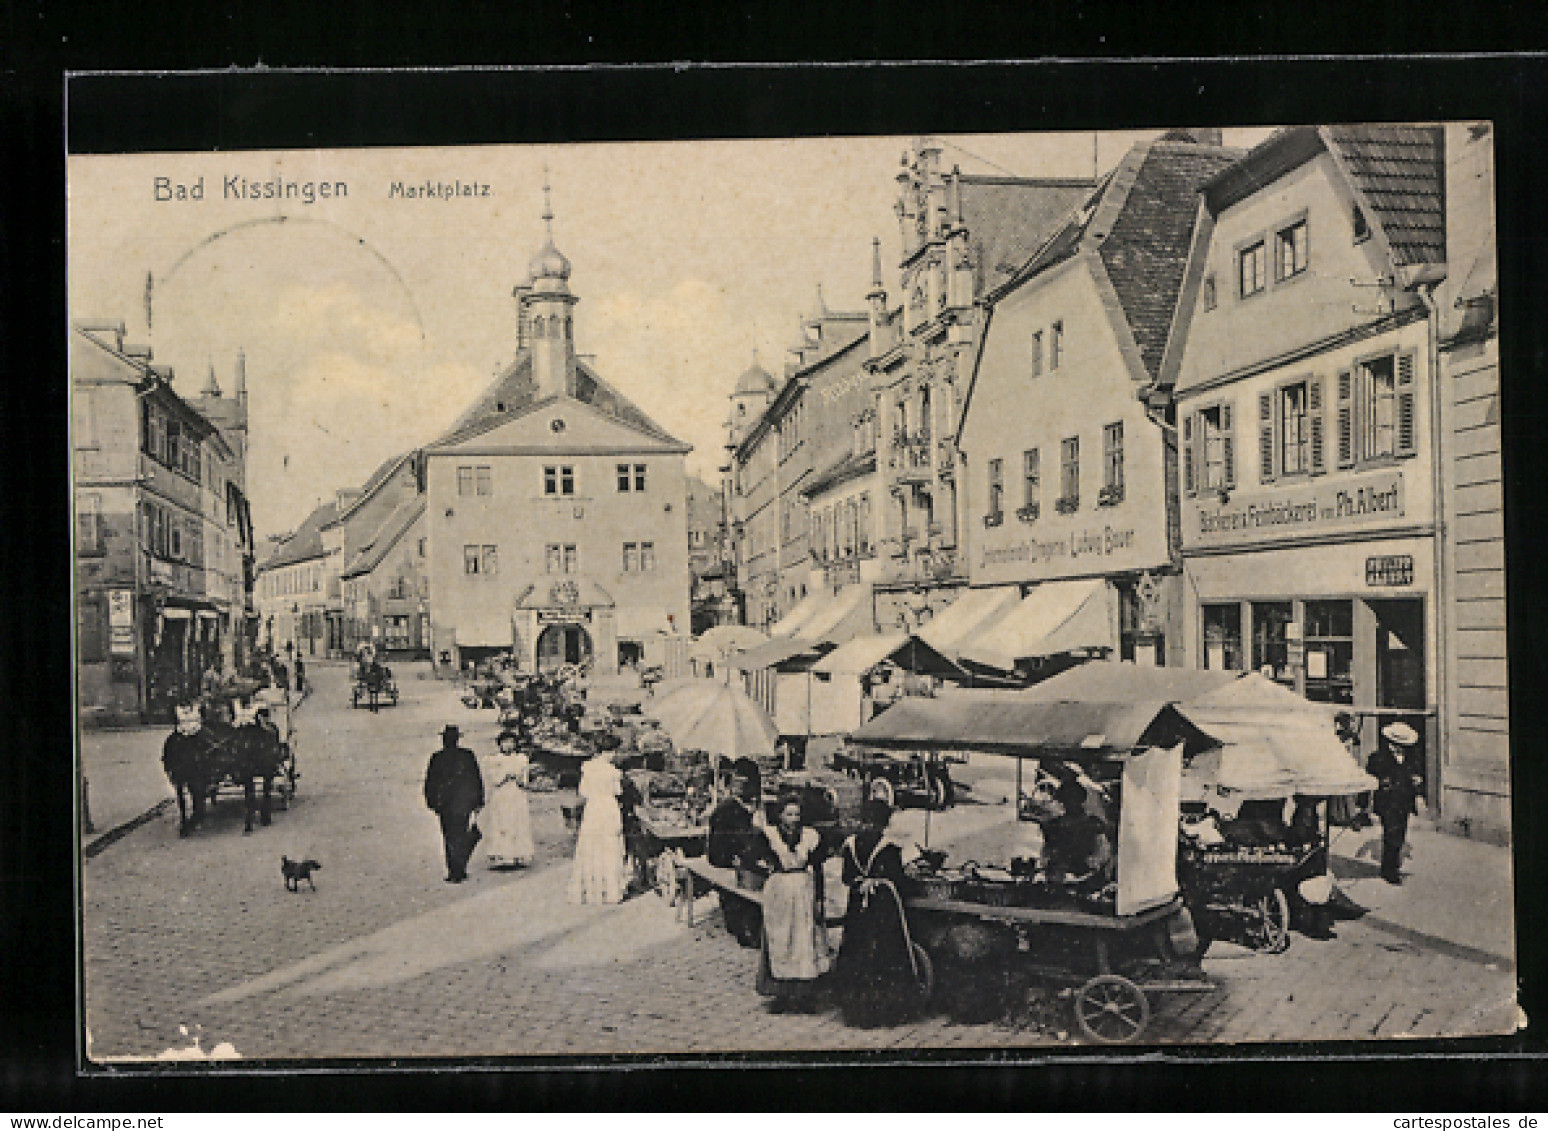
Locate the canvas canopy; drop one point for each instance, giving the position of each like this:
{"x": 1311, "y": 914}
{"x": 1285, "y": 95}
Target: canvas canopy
{"x": 951, "y": 628}
{"x": 779, "y": 652}
{"x": 839, "y": 619}
{"x": 1275, "y": 743}
{"x": 1056, "y": 617}
{"x": 793, "y": 621}
{"x": 906, "y": 651}
{"x": 1030, "y": 729}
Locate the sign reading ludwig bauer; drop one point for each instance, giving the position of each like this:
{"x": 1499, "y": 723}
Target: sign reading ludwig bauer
{"x": 1316, "y": 507}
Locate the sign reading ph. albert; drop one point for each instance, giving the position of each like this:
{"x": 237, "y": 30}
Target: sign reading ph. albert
{"x": 1316, "y": 507}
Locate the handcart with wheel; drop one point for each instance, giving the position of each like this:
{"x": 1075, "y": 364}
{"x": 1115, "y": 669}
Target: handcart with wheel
{"x": 1116, "y": 935}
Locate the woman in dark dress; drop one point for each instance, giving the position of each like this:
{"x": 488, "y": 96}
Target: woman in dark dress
{"x": 878, "y": 972}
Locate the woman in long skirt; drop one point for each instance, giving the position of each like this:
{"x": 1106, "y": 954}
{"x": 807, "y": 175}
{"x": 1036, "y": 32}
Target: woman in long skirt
{"x": 795, "y": 946}
{"x": 876, "y": 973}
{"x": 598, "y": 873}
{"x": 507, "y": 817}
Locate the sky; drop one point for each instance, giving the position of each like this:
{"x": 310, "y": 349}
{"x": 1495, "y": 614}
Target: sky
{"x": 369, "y": 321}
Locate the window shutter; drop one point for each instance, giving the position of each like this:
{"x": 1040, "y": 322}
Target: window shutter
{"x": 1314, "y": 412}
{"x": 1407, "y": 426}
{"x": 1266, "y": 437}
{"x": 1189, "y": 470}
{"x": 1228, "y": 444}
{"x": 1346, "y": 446}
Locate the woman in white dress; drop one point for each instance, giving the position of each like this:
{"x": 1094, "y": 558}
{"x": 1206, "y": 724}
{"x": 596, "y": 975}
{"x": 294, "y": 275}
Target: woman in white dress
{"x": 795, "y": 947}
{"x": 597, "y": 875}
{"x": 507, "y": 818}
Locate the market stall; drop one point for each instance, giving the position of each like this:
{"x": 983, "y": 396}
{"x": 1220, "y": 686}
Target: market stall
{"x": 1098, "y": 905}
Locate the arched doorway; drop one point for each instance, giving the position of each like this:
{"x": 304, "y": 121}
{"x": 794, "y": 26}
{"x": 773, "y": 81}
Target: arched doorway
{"x": 563, "y": 644}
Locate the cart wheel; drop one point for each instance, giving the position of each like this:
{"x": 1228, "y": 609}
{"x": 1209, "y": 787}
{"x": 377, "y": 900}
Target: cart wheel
{"x": 1270, "y": 930}
{"x": 880, "y": 789}
{"x": 1111, "y": 1010}
{"x": 924, "y": 974}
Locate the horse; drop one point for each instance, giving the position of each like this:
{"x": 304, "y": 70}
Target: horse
{"x": 198, "y": 757}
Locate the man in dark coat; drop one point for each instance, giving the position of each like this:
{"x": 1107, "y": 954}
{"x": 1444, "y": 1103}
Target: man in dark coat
{"x": 1396, "y": 790}
{"x": 455, "y": 790}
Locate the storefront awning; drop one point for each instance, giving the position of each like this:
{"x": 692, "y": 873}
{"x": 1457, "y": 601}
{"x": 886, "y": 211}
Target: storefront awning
{"x": 1024, "y": 727}
{"x": 845, "y": 616}
{"x": 1056, "y": 617}
{"x": 950, "y": 629}
{"x": 636, "y": 621}
{"x": 485, "y": 628}
{"x": 908, "y": 652}
{"x": 793, "y": 621}
{"x": 778, "y": 652}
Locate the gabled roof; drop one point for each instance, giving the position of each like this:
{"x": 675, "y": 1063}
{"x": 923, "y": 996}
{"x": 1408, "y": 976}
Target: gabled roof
{"x": 1397, "y": 172}
{"x": 515, "y": 390}
{"x": 388, "y": 535}
{"x": 306, "y": 543}
{"x": 1139, "y": 223}
{"x": 378, "y": 478}
{"x": 1009, "y": 218}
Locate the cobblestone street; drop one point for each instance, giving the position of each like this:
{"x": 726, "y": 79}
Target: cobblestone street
{"x": 387, "y": 960}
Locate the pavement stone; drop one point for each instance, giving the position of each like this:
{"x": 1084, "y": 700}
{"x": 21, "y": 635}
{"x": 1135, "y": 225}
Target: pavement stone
{"x": 387, "y": 960}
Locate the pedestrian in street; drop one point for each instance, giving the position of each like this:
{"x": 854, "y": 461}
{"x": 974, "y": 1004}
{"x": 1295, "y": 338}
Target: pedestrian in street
{"x": 876, "y": 971}
{"x": 300, "y": 676}
{"x": 733, "y": 843}
{"x": 1396, "y": 792}
{"x": 454, "y": 789}
{"x": 507, "y": 817}
{"x": 795, "y": 945}
{"x": 597, "y": 876}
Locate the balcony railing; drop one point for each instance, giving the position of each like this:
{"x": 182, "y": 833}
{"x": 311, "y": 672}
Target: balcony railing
{"x": 1068, "y": 505}
{"x": 1029, "y": 512}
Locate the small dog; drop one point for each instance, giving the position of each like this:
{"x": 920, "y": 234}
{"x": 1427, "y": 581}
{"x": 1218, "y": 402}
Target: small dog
{"x": 295, "y": 871}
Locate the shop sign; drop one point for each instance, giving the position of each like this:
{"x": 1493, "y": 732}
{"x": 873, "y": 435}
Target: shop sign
{"x": 564, "y": 616}
{"x": 1390, "y": 569}
{"x": 1094, "y": 542}
{"x": 120, "y": 622}
{"x": 1308, "y": 510}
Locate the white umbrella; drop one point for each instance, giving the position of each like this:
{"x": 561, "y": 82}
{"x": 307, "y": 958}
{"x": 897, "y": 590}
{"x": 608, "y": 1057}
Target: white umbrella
{"x": 716, "y": 718}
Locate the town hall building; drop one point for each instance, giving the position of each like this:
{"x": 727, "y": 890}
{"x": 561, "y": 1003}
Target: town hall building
{"x": 556, "y": 511}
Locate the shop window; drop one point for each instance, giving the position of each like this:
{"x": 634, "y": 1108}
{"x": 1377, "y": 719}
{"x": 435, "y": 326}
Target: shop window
{"x": 1271, "y": 640}
{"x": 1223, "y": 637}
{"x": 1253, "y": 263}
{"x": 1112, "y": 465}
{"x": 1290, "y": 251}
{"x": 1036, "y": 367}
{"x": 1329, "y": 639}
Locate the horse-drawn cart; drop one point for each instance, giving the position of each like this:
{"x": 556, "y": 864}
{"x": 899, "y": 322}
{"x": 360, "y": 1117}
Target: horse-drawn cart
{"x": 203, "y": 757}
{"x": 373, "y": 687}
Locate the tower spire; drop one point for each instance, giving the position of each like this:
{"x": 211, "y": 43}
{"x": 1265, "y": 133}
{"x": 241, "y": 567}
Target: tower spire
{"x": 876, "y": 274}
{"x": 548, "y": 206}
{"x": 211, "y": 385}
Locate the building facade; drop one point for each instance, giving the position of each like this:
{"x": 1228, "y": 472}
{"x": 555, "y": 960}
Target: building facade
{"x": 1475, "y": 754}
{"x": 1066, "y": 437}
{"x": 962, "y": 235}
{"x": 386, "y": 586}
{"x": 163, "y": 534}
{"x": 299, "y": 595}
{"x": 556, "y": 517}
{"x": 712, "y": 599}
{"x": 1305, "y": 400}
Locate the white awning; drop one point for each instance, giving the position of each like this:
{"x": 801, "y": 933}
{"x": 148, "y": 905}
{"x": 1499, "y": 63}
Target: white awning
{"x": 951, "y": 628}
{"x": 637, "y": 621}
{"x": 842, "y": 617}
{"x": 794, "y": 621}
{"x": 911, "y": 653}
{"x": 1056, "y": 617}
{"x": 485, "y": 628}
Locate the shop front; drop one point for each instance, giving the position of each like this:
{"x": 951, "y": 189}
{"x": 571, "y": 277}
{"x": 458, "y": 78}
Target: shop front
{"x": 1349, "y": 623}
